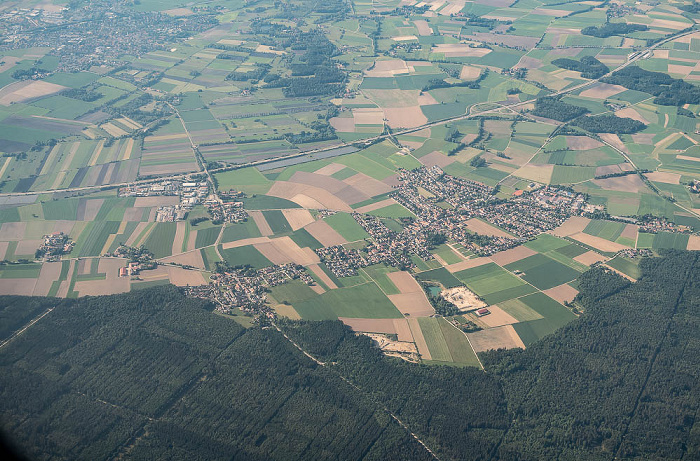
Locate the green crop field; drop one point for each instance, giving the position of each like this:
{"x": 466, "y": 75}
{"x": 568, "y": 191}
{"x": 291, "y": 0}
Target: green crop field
{"x": 292, "y": 293}
{"x": 458, "y": 345}
{"x": 377, "y": 272}
{"x": 626, "y": 266}
{"x": 244, "y": 256}
{"x": 360, "y": 301}
{"x": 439, "y": 351}
{"x": 345, "y": 225}
{"x": 440, "y": 275}
{"x": 669, "y": 240}
{"x": 207, "y": 236}
{"x": 160, "y": 240}
{"x": 554, "y": 316}
{"x": 98, "y": 234}
{"x": 302, "y": 238}
{"x": 608, "y": 230}
{"x": 240, "y": 231}
{"x": 447, "y": 255}
{"x": 278, "y": 223}
{"x": 543, "y": 272}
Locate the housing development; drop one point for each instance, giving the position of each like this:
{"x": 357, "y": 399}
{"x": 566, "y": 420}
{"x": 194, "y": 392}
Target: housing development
{"x": 444, "y": 186}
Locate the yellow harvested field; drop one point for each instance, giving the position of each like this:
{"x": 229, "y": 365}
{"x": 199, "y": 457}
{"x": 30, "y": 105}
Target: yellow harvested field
{"x": 385, "y": 326}
{"x": 664, "y": 177}
{"x": 404, "y": 282}
{"x": 589, "y": 258}
{"x": 268, "y": 49}
{"x": 571, "y": 226}
{"x": 316, "y": 269}
{"x": 8, "y": 62}
{"x": 629, "y": 112}
{"x": 113, "y": 284}
{"x": 413, "y": 304}
{"x": 343, "y": 124}
{"x": 165, "y": 137}
{"x": 180, "y": 229}
{"x": 483, "y": 228}
{"x": 113, "y": 130}
{"x": 127, "y": 122}
{"x": 614, "y": 140}
{"x": 693, "y": 243}
{"x": 602, "y": 91}
{"x": 367, "y": 184}
{"x": 96, "y": 153}
{"x": 405, "y": 117}
{"x": 376, "y": 205}
{"x": 50, "y": 159}
{"x": 179, "y": 12}
{"x": 418, "y": 338}
{"x": 510, "y": 256}
{"x": 404, "y": 38}
{"x": 183, "y": 277}
{"x": 128, "y": 149}
{"x": 330, "y": 169}
{"x": 599, "y": 243}
{"x": 582, "y": 143}
{"x": 498, "y": 317}
{"x": 191, "y": 258}
{"x": 284, "y": 250}
{"x": 140, "y": 227}
{"x": 423, "y": 27}
{"x": 503, "y": 337}
{"x": 403, "y": 330}
{"x": 537, "y": 173}
{"x": 562, "y": 293}
{"x": 261, "y": 222}
{"x": 244, "y": 242}
{"x": 287, "y": 311}
{"x": 688, "y": 157}
{"x": 26, "y": 90}
{"x": 298, "y": 218}
{"x": 460, "y": 50}
{"x": 3, "y": 249}
{"x": 308, "y": 196}
{"x": 468, "y": 264}
{"x": 368, "y": 116}
{"x": 156, "y": 200}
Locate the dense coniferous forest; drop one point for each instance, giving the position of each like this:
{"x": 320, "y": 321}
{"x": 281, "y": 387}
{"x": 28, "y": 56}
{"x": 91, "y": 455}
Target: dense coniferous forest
{"x": 556, "y": 109}
{"x": 589, "y": 66}
{"x": 609, "y": 124}
{"x": 152, "y": 374}
{"x": 612, "y": 28}
{"x": 669, "y": 91}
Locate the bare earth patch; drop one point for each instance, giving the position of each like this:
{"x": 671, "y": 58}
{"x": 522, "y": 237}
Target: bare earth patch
{"x": 693, "y": 243}
{"x": 23, "y": 287}
{"x": 503, "y": 337}
{"x": 49, "y": 273}
{"x": 307, "y": 196}
{"x": 537, "y": 173}
{"x": 469, "y": 73}
{"x": 26, "y": 90}
{"x": 498, "y": 317}
{"x": 330, "y": 169}
{"x": 158, "y": 200}
{"x": 367, "y": 184}
{"x": 245, "y": 242}
{"x": 413, "y": 304}
{"x": 284, "y": 250}
{"x": 183, "y": 277}
{"x": 404, "y": 282}
{"x": 629, "y": 112}
{"x": 405, "y": 117}
{"x": 113, "y": 284}
{"x": 191, "y": 258}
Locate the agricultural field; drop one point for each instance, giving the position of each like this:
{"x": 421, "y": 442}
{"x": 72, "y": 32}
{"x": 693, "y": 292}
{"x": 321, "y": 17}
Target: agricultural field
{"x": 312, "y": 130}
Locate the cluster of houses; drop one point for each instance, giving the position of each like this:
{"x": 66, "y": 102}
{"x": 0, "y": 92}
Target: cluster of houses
{"x": 53, "y": 246}
{"x": 246, "y": 289}
{"x": 655, "y": 225}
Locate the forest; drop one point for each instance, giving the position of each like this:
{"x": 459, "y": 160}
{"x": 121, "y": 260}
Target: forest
{"x": 669, "y": 91}
{"x": 589, "y": 66}
{"x": 612, "y": 28}
{"x": 157, "y": 375}
{"x": 556, "y": 109}
{"x": 609, "y": 124}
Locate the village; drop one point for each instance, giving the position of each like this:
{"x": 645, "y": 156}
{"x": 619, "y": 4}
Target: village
{"x": 245, "y": 288}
